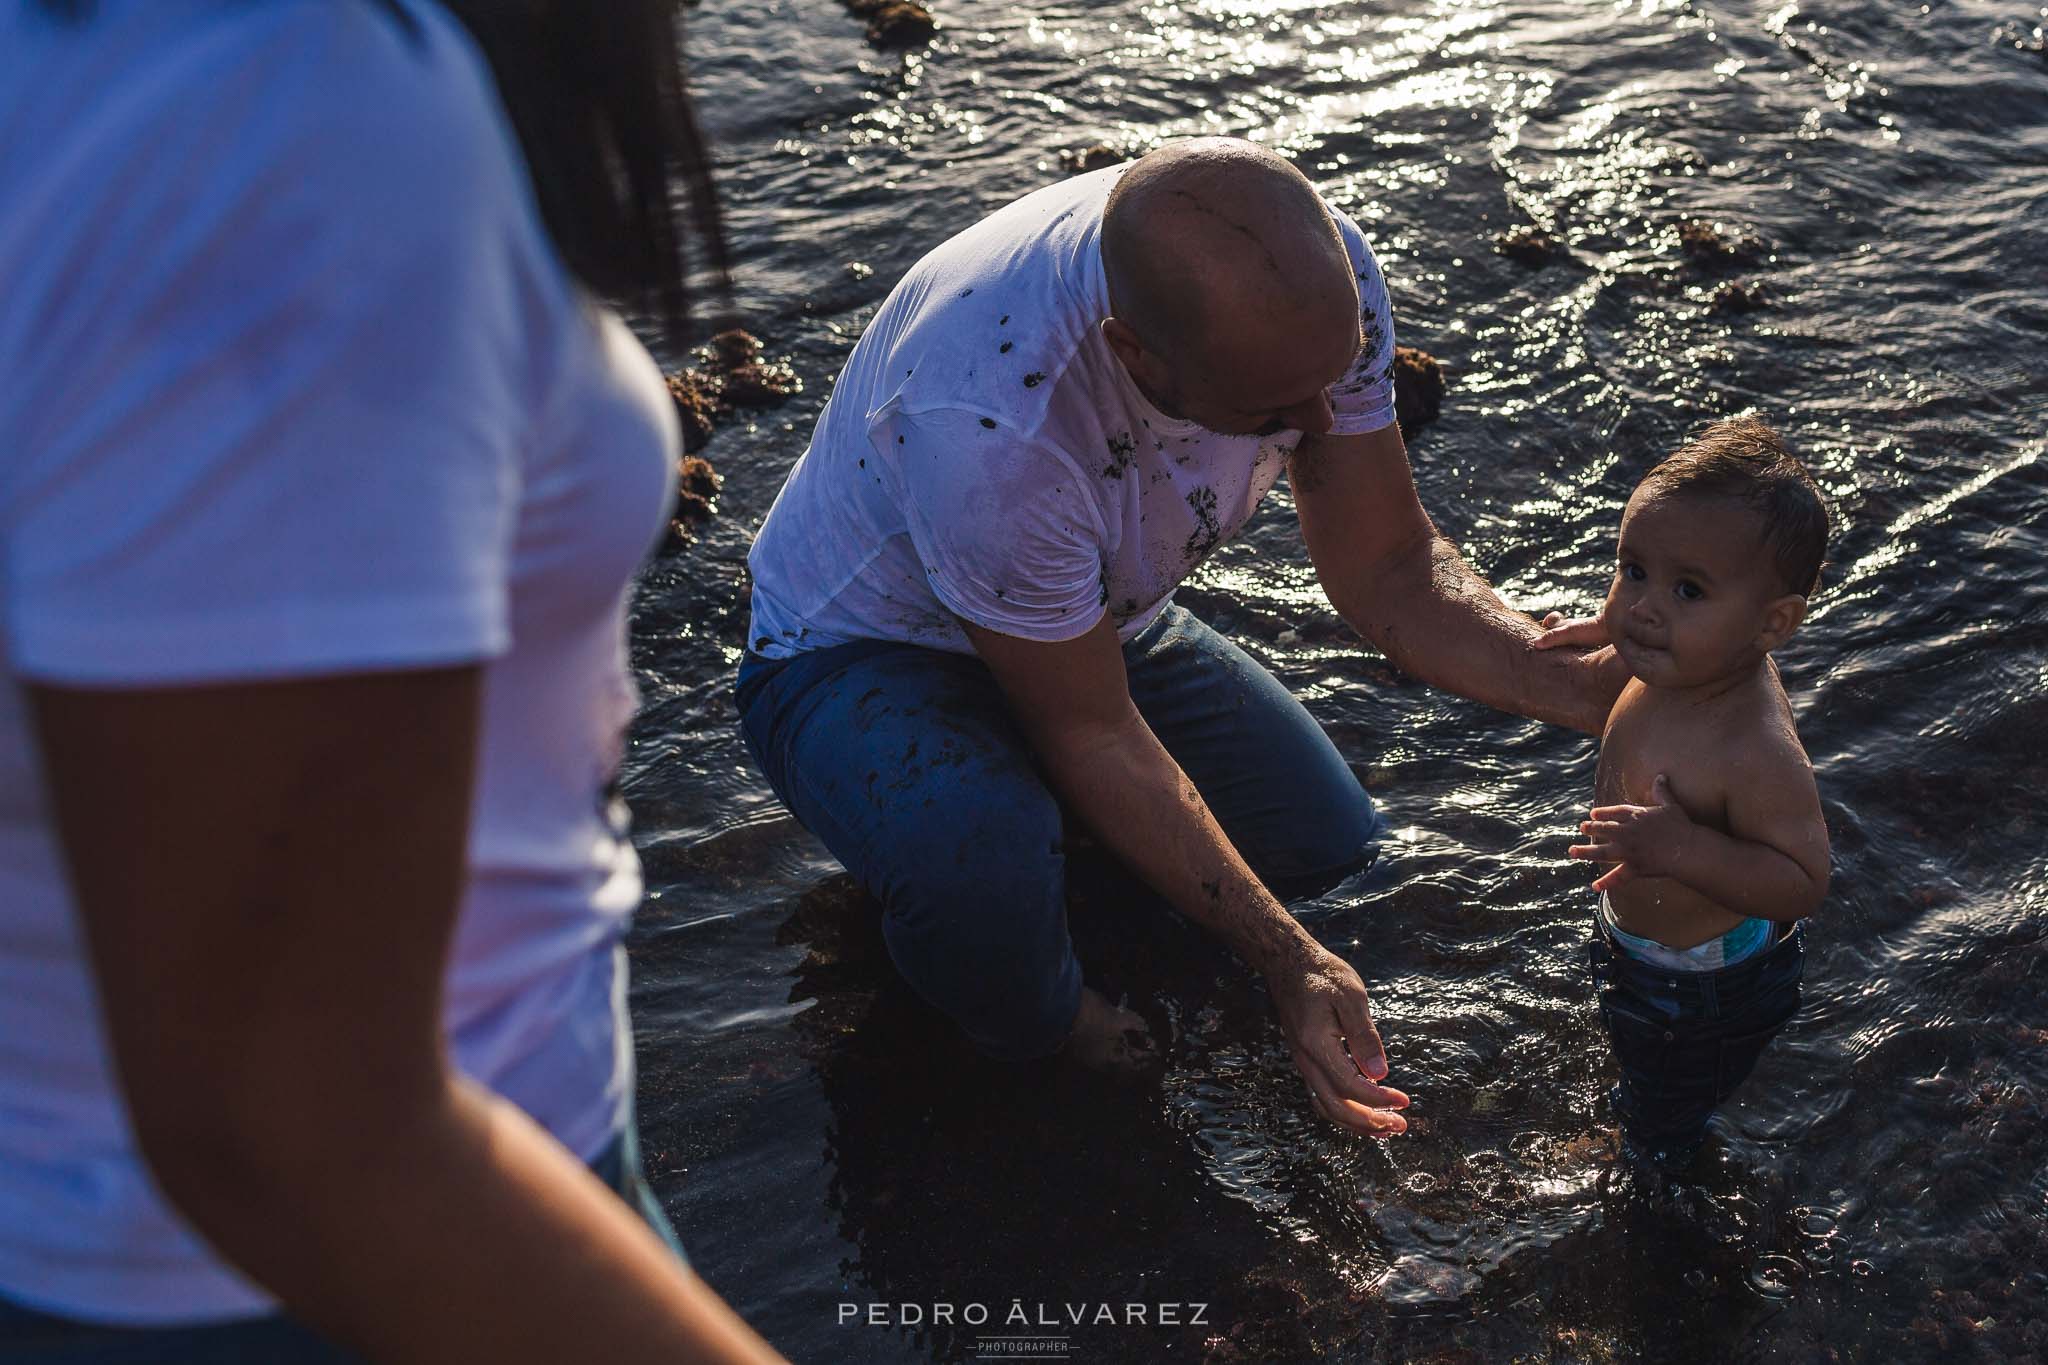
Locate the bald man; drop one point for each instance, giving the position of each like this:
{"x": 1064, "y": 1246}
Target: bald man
{"x": 963, "y": 629}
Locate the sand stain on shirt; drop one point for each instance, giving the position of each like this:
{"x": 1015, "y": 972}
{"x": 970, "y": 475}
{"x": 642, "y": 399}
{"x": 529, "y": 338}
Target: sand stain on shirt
{"x": 1122, "y": 451}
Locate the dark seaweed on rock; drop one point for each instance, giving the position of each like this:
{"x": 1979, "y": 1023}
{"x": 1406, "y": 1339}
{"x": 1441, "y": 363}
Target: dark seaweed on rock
{"x": 1093, "y": 157}
{"x": 1739, "y": 296}
{"x": 895, "y": 23}
{"x": 732, "y": 374}
{"x": 696, "y": 498}
{"x": 1530, "y": 246}
{"x": 1418, "y": 389}
{"x": 1710, "y": 244}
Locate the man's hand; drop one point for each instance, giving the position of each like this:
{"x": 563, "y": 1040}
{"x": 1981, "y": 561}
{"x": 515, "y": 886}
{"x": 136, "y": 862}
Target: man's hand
{"x": 1323, "y": 1011}
{"x": 1641, "y": 841}
{"x": 1580, "y": 632}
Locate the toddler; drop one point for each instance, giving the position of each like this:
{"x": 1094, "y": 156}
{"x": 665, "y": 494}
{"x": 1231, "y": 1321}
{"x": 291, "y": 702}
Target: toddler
{"x": 1705, "y": 810}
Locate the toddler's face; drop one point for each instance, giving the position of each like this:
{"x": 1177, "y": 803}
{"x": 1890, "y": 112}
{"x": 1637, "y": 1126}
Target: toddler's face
{"x": 1692, "y": 586}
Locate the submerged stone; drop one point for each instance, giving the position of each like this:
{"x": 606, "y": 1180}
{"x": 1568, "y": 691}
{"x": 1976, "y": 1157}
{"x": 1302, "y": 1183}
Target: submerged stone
{"x": 1739, "y": 296}
{"x": 1530, "y": 246}
{"x": 1709, "y": 243}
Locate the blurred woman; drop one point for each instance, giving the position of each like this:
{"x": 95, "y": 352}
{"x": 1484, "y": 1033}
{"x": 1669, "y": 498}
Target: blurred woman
{"x": 322, "y": 478}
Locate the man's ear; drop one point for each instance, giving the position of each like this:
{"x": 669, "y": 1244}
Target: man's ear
{"x": 1124, "y": 342}
{"x": 1781, "y": 618}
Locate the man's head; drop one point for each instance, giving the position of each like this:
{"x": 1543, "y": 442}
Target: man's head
{"x": 1720, "y": 548}
{"x": 1232, "y": 299}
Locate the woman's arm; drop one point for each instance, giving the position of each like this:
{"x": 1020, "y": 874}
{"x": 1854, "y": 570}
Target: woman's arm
{"x": 268, "y": 876}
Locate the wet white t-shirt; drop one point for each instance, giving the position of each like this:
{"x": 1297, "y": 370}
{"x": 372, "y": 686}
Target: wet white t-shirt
{"x": 985, "y": 456}
{"x": 292, "y": 384}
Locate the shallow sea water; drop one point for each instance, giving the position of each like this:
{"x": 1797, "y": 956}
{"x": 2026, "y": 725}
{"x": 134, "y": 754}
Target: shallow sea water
{"x": 1879, "y": 1190}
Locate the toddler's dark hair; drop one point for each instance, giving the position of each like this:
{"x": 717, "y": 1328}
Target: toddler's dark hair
{"x": 1743, "y": 459}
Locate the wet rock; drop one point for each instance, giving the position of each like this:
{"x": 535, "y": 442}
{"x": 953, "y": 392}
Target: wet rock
{"x": 1530, "y": 246}
{"x": 1711, "y": 244}
{"x": 1418, "y": 389}
{"x": 760, "y": 385}
{"x": 1092, "y": 158}
{"x": 736, "y": 347}
{"x": 1422, "y": 1282}
{"x": 696, "y": 397}
{"x": 895, "y": 23}
{"x": 1739, "y": 296}
{"x": 732, "y": 375}
{"x": 1274, "y": 1325}
{"x": 696, "y": 497}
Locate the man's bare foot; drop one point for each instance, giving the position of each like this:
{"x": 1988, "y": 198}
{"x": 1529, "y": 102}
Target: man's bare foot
{"x": 1111, "y": 1040}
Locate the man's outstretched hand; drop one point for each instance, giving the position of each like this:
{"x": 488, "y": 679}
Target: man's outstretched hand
{"x": 1583, "y": 632}
{"x": 1323, "y": 1011}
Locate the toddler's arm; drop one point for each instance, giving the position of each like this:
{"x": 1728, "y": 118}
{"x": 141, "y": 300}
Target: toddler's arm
{"x": 1773, "y": 862}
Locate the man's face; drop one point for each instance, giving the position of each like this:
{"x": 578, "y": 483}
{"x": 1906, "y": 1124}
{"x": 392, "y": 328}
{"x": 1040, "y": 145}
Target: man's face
{"x": 1692, "y": 588}
{"x": 1262, "y": 389}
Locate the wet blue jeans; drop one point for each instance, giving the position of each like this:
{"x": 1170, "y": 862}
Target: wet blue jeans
{"x": 31, "y": 1338}
{"x": 907, "y": 763}
{"x": 1686, "y": 1040}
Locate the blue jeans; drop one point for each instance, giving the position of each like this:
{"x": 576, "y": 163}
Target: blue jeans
{"x": 31, "y": 1338}
{"x": 1686, "y": 1040}
{"x": 907, "y": 763}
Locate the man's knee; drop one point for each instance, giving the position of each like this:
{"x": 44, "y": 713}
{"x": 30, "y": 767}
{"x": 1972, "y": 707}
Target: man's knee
{"x": 1329, "y": 841}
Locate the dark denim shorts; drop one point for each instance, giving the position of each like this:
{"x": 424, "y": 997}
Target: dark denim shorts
{"x": 31, "y": 1338}
{"x": 1686, "y": 1040}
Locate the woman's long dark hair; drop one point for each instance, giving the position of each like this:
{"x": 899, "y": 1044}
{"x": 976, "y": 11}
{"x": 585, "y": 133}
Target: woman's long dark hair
{"x": 596, "y": 95}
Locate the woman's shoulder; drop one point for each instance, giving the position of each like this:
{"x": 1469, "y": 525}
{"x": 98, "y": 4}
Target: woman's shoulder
{"x": 347, "y": 114}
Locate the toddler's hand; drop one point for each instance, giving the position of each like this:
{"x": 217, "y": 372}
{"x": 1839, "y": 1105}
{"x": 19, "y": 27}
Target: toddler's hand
{"x": 1641, "y": 841}
{"x": 1588, "y": 632}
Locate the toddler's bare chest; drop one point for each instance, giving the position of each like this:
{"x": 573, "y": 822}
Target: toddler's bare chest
{"x": 1643, "y": 740}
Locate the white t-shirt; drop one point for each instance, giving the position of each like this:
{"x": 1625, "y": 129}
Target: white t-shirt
{"x": 291, "y": 384}
{"x": 985, "y": 456}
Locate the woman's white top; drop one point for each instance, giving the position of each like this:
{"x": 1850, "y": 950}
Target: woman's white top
{"x": 292, "y": 384}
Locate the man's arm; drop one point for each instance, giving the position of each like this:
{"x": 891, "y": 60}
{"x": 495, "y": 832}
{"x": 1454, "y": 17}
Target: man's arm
{"x": 1074, "y": 702}
{"x": 1406, "y": 588}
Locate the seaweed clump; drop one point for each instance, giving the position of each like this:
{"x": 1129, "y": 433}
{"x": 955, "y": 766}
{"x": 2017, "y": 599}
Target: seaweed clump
{"x": 1418, "y": 389}
{"x": 895, "y": 23}
{"x": 696, "y": 497}
{"x": 732, "y": 373}
{"x": 1710, "y": 244}
{"x": 1093, "y": 157}
{"x": 1738, "y": 296}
